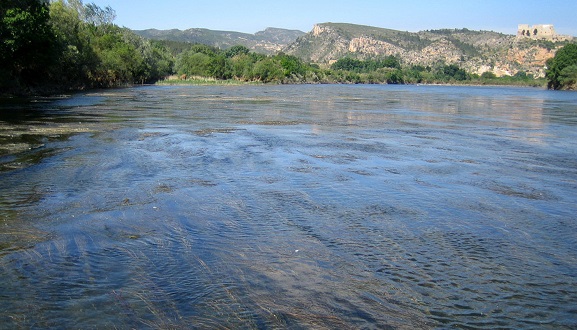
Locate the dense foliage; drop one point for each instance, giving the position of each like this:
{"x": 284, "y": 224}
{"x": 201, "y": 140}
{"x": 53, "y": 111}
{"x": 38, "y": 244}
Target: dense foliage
{"x": 240, "y": 64}
{"x": 70, "y": 45}
{"x": 562, "y": 69}
{"x": 27, "y": 43}
{"x": 370, "y": 65}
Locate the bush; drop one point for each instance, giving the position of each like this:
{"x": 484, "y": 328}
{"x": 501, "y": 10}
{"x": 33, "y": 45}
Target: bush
{"x": 488, "y": 75}
{"x": 560, "y": 69}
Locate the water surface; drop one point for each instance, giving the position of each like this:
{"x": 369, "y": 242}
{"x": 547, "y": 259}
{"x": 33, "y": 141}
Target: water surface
{"x": 290, "y": 207}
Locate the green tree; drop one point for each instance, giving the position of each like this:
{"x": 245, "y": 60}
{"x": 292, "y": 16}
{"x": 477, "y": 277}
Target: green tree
{"x": 194, "y": 63}
{"x": 204, "y": 49}
{"x": 488, "y": 75}
{"x": 27, "y": 43}
{"x": 241, "y": 67}
{"x": 395, "y": 77}
{"x": 69, "y": 45}
{"x": 413, "y": 75}
{"x": 219, "y": 67}
{"x": 267, "y": 70}
{"x": 158, "y": 60}
{"x": 348, "y": 64}
{"x": 78, "y": 60}
{"x": 370, "y": 65}
{"x": 97, "y": 53}
{"x": 391, "y": 62}
{"x": 453, "y": 71}
{"x": 559, "y": 71}
{"x": 236, "y": 50}
{"x": 291, "y": 65}
{"x": 568, "y": 77}
{"x": 98, "y": 16}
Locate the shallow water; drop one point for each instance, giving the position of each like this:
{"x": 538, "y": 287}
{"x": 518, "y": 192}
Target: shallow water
{"x": 290, "y": 207}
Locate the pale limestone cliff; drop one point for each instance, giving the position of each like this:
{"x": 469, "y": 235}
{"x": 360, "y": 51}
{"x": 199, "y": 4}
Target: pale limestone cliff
{"x": 370, "y": 46}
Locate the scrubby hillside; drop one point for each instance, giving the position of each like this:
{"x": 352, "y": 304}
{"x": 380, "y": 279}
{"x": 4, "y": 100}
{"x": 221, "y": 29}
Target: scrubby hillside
{"x": 269, "y": 41}
{"x": 475, "y": 51}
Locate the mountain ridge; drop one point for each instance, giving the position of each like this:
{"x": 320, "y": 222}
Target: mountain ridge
{"x": 268, "y": 41}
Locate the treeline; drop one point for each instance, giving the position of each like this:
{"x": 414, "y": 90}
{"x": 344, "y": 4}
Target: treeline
{"x": 241, "y": 64}
{"x": 65, "y": 44}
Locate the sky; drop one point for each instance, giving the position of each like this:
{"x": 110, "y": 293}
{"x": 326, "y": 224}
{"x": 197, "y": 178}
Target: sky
{"x": 405, "y": 15}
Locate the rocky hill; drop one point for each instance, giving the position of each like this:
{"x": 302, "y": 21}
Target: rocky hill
{"x": 269, "y": 41}
{"x": 474, "y": 51}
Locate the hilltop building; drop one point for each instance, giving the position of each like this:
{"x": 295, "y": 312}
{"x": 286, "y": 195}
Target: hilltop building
{"x": 540, "y": 31}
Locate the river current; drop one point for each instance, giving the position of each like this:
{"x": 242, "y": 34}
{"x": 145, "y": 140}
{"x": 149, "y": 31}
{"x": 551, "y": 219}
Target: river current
{"x": 314, "y": 206}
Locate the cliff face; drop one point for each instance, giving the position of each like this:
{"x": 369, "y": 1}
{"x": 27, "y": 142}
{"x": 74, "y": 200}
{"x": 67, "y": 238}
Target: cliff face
{"x": 475, "y": 51}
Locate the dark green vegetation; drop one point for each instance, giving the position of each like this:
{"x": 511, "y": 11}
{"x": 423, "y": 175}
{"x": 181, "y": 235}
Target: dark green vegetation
{"x": 562, "y": 69}
{"x": 67, "y": 45}
{"x": 27, "y": 42}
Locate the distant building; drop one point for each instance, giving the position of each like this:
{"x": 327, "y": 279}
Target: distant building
{"x": 540, "y": 31}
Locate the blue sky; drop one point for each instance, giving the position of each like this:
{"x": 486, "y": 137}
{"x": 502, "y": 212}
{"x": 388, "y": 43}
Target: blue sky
{"x": 406, "y": 15}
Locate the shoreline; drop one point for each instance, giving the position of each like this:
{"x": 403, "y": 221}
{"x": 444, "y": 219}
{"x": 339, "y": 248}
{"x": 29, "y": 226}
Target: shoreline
{"x": 52, "y": 91}
{"x": 208, "y": 82}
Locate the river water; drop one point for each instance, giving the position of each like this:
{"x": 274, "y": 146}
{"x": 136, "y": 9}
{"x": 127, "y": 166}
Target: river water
{"x": 290, "y": 207}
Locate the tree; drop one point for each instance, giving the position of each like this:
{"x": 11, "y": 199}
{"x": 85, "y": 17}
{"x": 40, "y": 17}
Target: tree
{"x": 241, "y": 67}
{"x": 192, "y": 63}
{"x": 26, "y": 50}
{"x": 97, "y": 53}
{"x": 78, "y": 60}
{"x": 219, "y": 67}
{"x": 236, "y": 50}
{"x": 559, "y": 71}
{"x": 488, "y": 75}
{"x": 348, "y": 64}
{"x": 395, "y": 77}
{"x": 267, "y": 70}
{"x": 568, "y": 77}
{"x": 291, "y": 65}
{"x": 453, "y": 71}
{"x": 158, "y": 60}
{"x": 98, "y": 16}
{"x": 391, "y": 62}
{"x": 64, "y": 44}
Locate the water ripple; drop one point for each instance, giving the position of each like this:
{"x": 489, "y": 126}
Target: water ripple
{"x": 323, "y": 207}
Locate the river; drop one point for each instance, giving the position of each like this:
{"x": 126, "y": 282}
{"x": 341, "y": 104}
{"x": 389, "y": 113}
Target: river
{"x": 313, "y": 206}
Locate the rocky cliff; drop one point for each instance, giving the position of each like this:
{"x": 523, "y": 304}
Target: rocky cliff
{"x": 475, "y": 51}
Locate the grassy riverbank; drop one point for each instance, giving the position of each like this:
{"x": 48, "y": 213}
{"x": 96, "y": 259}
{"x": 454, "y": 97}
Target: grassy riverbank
{"x": 502, "y": 81}
{"x": 175, "y": 80}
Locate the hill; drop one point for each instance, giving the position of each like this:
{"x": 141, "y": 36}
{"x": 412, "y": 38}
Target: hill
{"x": 269, "y": 41}
{"x": 475, "y": 51}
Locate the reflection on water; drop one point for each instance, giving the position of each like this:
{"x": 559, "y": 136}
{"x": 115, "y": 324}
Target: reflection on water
{"x": 290, "y": 207}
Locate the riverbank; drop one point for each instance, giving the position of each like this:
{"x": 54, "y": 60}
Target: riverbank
{"x": 175, "y": 80}
{"x": 498, "y": 82}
